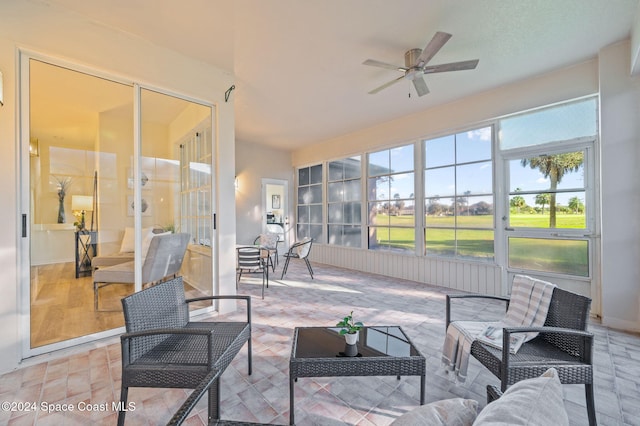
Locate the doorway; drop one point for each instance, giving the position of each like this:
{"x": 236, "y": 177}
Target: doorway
{"x": 275, "y": 208}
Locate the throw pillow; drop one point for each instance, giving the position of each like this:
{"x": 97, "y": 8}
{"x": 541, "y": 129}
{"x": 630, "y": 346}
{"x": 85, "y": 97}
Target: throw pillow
{"x": 129, "y": 239}
{"x": 530, "y": 402}
{"x": 447, "y": 412}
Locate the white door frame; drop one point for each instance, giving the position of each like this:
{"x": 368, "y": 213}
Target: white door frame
{"x": 285, "y": 208}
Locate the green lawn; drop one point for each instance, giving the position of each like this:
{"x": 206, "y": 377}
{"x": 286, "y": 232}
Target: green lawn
{"x": 562, "y": 256}
{"x": 573, "y": 221}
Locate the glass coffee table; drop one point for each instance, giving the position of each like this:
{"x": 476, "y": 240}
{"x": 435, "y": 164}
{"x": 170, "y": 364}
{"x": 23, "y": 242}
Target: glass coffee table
{"x": 382, "y": 351}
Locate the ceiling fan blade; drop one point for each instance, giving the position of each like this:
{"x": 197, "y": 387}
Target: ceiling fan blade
{"x": 453, "y": 66}
{"x": 375, "y": 63}
{"x": 384, "y": 86}
{"x": 436, "y": 43}
{"x": 421, "y": 86}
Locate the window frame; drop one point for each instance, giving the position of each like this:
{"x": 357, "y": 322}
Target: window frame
{"x": 370, "y": 202}
{"x": 587, "y": 144}
{"x": 308, "y": 224}
{"x": 329, "y": 203}
{"x": 455, "y": 165}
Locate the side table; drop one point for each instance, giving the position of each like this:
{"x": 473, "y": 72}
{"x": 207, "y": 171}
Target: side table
{"x": 86, "y": 249}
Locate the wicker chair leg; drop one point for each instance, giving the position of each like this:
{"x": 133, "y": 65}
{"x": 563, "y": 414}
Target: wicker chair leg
{"x": 214, "y": 402}
{"x": 123, "y": 402}
{"x": 249, "y": 355}
{"x": 309, "y": 267}
{"x": 591, "y": 409}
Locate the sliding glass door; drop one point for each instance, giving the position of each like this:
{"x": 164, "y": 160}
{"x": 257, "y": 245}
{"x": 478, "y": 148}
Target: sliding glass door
{"x": 108, "y": 166}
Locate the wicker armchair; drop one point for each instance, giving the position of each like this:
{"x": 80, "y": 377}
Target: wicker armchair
{"x": 163, "y": 349}
{"x": 563, "y": 343}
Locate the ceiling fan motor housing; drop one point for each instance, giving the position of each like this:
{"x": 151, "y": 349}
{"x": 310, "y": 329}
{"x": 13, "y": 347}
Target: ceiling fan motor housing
{"x": 411, "y": 58}
{"x": 414, "y": 70}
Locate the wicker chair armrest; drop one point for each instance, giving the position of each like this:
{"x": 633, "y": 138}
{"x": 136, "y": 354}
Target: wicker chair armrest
{"x": 157, "y": 331}
{"x": 226, "y": 297}
{"x": 587, "y": 337}
{"x": 493, "y": 393}
{"x": 180, "y": 416}
{"x": 468, "y": 296}
{"x": 558, "y": 330}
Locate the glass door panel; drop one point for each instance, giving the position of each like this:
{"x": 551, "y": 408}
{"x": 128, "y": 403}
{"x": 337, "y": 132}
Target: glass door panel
{"x": 176, "y": 158}
{"x": 81, "y": 143}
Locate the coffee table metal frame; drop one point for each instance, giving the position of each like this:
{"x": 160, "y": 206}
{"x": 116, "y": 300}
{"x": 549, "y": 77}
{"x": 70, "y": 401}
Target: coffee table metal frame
{"x": 334, "y": 366}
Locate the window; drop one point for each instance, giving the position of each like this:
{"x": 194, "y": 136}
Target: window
{"x": 391, "y": 199}
{"x": 458, "y": 190}
{"x": 548, "y": 164}
{"x": 195, "y": 186}
{"x": 310, "y": 202}
{"x": 344, "y": 206}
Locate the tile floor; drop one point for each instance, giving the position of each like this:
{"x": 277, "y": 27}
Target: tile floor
{"x": 87, "y": 378}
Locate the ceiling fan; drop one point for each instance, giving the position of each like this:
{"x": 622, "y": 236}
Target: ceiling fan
{"x": 416, "y": 65}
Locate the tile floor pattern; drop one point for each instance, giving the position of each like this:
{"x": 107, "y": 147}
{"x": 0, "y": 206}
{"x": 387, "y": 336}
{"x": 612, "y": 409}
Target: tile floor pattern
{"x": 90, "y": 378}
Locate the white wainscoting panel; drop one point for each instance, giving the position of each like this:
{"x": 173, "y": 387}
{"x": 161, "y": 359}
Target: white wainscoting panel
{"x": 475, "y": 277}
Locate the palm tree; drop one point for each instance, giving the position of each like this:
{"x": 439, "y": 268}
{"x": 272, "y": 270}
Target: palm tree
{"x": 518, "y": 202}
{"x": 554, "y": 167}
{"x": 576, "y": 204}
{"x": 543, "y": 199}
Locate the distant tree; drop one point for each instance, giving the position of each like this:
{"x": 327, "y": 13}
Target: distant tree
{"x": 517, "y": 202}
{"x": 434, "y": 207}
{"x": 543, "y": 199}
{"x": 398, "y": 204}
{"x": 555, "y": 167}
{"x": 466, "y": 200}
{"x": 576, "y": 205}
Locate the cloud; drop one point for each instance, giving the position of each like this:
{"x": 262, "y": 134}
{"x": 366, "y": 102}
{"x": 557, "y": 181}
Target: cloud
{"x": 483, "y": 134}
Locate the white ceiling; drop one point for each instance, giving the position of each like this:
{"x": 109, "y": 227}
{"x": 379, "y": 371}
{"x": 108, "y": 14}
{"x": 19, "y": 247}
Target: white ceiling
{"x": 298, "y": 63}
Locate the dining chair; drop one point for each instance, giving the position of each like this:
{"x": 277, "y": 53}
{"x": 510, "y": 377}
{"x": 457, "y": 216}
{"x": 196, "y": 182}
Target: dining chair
{"x": 299, "y": 250}
{"x": 251, "y": 261}
{"x": 269, "y": 243}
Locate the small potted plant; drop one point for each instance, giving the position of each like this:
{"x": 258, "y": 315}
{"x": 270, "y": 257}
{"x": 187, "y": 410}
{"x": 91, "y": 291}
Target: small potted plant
{"x": 350, "y": 329}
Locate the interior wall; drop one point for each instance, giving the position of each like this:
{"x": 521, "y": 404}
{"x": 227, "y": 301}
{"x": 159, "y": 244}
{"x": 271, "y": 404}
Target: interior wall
{"x": 254, "y": 162}
{"x": 52, "y": 31}
{"x": 620, "y": 188}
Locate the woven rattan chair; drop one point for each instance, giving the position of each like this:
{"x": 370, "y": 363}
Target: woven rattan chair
{"x": 563, "y": 343}
{"x": 299, "y": 250}
{"x": 163, "y": 349}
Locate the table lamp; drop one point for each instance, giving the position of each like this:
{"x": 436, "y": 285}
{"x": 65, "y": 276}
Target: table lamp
{"x": 81, "y": 203}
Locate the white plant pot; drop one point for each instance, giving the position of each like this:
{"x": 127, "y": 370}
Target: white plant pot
{"x": 351, "y": 338}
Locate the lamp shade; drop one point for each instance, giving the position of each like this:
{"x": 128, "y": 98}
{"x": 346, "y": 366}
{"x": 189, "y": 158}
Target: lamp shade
{"x": 82, "y": 202}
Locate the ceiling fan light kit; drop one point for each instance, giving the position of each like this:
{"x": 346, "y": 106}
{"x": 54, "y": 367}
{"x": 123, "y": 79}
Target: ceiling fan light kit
{"x": 416, "y": 65}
